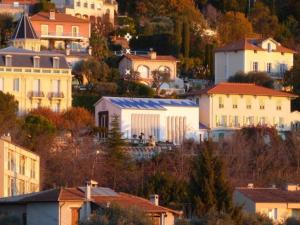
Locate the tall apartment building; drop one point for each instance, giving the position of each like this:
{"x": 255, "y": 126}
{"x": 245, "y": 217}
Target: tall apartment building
{"x": 35, "y": 78}
{"x": 253, "y": 55}
{"x": 19, "y": 169}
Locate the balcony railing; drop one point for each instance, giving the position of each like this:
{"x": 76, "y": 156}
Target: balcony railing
{"x": 63, "y": 35}
{"x": 56, "y": 95}
{"x": 36, "y": 94}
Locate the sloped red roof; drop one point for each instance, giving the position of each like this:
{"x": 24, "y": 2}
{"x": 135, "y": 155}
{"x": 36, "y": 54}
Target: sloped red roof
{"x": 250, "y": 44}
{"x": 127, "y": 200}
{"x": 243, "y": 89}
{"x": 71, "y": 194}
{"x": 59, "y": 17}
{"x": 146, "y": 57}
{"x": 270, "y": 195}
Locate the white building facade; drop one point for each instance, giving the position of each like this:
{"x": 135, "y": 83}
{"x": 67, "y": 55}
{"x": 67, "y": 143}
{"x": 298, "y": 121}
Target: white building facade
{"x": 252, "y": 55}
{"x": 227, "y": 107}
{"x": 170, "y": 120}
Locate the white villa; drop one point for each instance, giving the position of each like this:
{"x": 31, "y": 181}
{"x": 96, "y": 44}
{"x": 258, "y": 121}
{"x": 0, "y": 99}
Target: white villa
{"x": 252, "y": 55}
{"x": 170, "y": 120}
{"x": 226, "y": 107}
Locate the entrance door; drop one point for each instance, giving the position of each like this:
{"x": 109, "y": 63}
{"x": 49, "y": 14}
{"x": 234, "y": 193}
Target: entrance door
{"x": 103, "y": 123}
{"x": 75, "y": 216}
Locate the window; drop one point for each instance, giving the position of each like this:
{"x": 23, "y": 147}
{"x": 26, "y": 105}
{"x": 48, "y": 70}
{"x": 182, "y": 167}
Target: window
{"x": 272, "y": 213}
{"x": 8, "y": 60}
{"x": 32, "y": 168}
{"x": 269, "y": 67}
{"x": 36, "y": 61}
{"x": 44, "y": 29}
{"x": 221, "y": 103}
{"x": 250, "y": 120}
{"x": 269, "y": 47}
{"x": 10, "y": 186}
{"x": 37, "y": 86}
{"x": 75, "y": 31}
{"x": 56, "y": 107}
{"x": 16, "y": 84}
{"x": 1, "y": 84}
{"x": 21, "y": 188}
{"x": 224, "y": 121}
{"x": 234, "y": 103}
{"x": 144, "y": 71}
{"x": 56, "y": 86}
{"x": 92, "y": 6}
{"x": 78, "y": 4}
{"x": 59, "y": 30}
{"x": 248, "y": 103}
{"x": 262, "y": 120}
{"x": 10, "y": 161}
{"x": 85, "y": 5}
{"x": 255, "y": 67}
{"x": 236, "y": 121}
{"x": 55, "y": 62}
{"x": 281, "y": 122}
{"x": 283, "y": 68}
{"x": 22, "y": 161}
{"x": 261, "y": 104}
{"x": 278, "y": 105}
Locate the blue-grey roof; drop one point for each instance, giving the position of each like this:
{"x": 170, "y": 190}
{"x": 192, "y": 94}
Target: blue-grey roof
{"x": 150, "y": 103}
{"x": 100, "y": 191}
{"x": 24, "y": 58}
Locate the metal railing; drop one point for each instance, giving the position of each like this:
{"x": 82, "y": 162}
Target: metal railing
{"x": 56, "y": 95}
{"x": 36, "y": 94}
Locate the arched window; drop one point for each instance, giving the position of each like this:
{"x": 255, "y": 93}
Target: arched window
{"x": 144, "y": 71}
{"x": 164, "y": 69}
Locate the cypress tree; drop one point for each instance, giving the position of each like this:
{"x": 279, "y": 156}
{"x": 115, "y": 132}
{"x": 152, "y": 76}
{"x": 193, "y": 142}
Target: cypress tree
{"x": 186, "y": 38}
{"x": 178, "y": 36}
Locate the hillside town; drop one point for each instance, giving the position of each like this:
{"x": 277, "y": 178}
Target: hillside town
{"x": 138, "y": 112}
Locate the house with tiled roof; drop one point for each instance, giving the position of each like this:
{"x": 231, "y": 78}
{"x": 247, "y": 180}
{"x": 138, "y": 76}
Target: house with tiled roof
{"x": 226, "y": 107}
{"x": 69, "y": 206}
{"x": 147, "y": 63}
{"x": 278, "y": 204}
{"x": 252, "y": 55}
{"x": 166, "y": 120}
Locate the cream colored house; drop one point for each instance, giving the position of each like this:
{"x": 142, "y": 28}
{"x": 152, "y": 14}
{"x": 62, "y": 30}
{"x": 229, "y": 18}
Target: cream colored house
{"x": 226, "y": 107}
{"x": 146, "y": 64}
{"x": 19, "y": 169}
{"x": 69, "y": 206}
{"x": 89, "y": 9}
{"x": 252, "y": 55}
{"x": 277, "y": 204}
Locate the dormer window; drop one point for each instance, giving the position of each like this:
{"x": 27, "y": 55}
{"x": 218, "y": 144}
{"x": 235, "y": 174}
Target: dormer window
{"x": 269, "y": 47}
{"x": 36, "y": 61}
{"x": 8, "y": 60}
{"x": 55, "y": 62}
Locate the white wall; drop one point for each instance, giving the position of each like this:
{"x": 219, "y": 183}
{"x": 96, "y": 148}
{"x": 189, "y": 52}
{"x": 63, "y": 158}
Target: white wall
{"x": 105, "y": 105}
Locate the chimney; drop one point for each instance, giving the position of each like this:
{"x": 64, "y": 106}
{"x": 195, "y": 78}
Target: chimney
{"x": 52, "y": 15}
{"x": 6, "y": 137}
{"x": 88, "y": 197}
{"x": 154, "y": 199}
{"x": 152, "y": 54}
{"x": 250, "y": 185}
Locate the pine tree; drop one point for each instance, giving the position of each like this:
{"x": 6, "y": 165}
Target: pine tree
{"x": 178, "y": 36}
{"x": 114, "y": 140}
{"x": 186, "y": 38}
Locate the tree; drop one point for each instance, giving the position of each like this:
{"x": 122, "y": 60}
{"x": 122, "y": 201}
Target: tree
{"x": 54, "y": 117}
{"x": 133, "y": 76}
{"x": 263, "y": 21}
{"x": 186, "y": 38}
{"x": 259, "y": 78}
{"x": 115, "y": 215}
{"x": 159, "y": 78}
{"x": 98, "y": 42}
{"x": 8, "y": 112}
{"x": 91, "y": 70}
{"x": 210, "y": 191}
{"x": 6, "y": 28}
{"x": 234, "y": 26}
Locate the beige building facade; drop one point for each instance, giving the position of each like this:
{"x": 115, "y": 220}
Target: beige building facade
{"x": 146, "y": 64}
{"x": 19, "y": 169}
{"x": 277, "y": 204}
{"x": 253, "y": 55}
{"x": 230, "y": 106}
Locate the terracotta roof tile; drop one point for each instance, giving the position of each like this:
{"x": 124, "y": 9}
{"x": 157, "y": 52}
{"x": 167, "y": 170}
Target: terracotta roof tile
{"x": 270, "y": 195}
{"x": 250, "y": 44}
{"x": 59, "y": 17}
{"x": 243, "y": 89}
{"x": 146, "y": 57}
{"x": 71, "y": 194}
{"x": 126, "y": 200}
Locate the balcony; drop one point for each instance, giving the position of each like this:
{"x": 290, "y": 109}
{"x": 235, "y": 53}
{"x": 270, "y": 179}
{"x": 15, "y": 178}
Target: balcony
{"x": 63, "y": 36}
{"x": 56, "y": 95}
{"x": 36, "y": 94}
